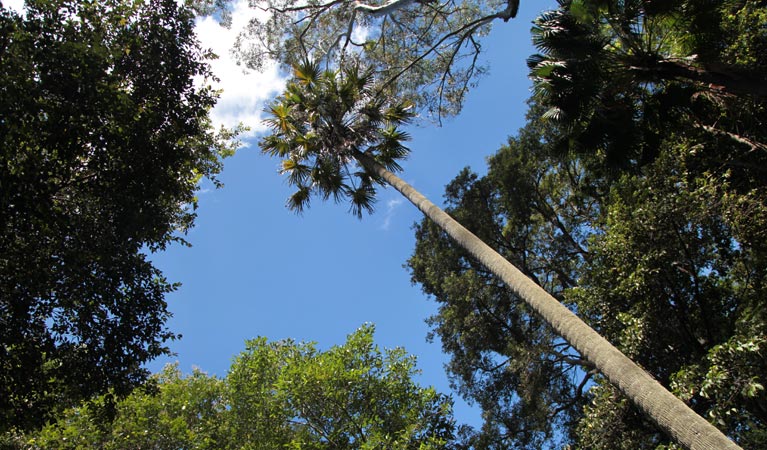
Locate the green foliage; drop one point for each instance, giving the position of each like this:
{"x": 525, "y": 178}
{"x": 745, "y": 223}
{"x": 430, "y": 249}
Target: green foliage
{"x": 168, "y": 413}
{"x": 533, "y": 210}
{"x": 743, "y": 23}
{"x": 618, "y": 76}
{"x": 104, "y": 140}
{"x": 353, "y": 396}
{"x": 671, "y": 283}
{"x": 276, "y": 395}
{"x": 677, "y": 269}
{"x": 427, "y": 51}
{"x": 663, "y": 261}
{"x": 610, "y": 422}
{"x": 322, "y": 122}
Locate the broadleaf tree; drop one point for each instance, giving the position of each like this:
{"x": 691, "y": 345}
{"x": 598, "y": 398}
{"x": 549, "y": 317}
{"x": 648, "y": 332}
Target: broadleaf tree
{"x": 277, "y": 394}
{"x": 105, "y": 137}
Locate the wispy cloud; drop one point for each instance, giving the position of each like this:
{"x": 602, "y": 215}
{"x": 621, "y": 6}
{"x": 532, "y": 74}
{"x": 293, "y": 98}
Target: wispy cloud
{"x": 391, "y": 207}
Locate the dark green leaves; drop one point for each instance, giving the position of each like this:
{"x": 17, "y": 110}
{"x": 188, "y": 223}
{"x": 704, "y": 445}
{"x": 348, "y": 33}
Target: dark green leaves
{"x": 103, "y": 141}
{"x": 617, "y": 75}
{"x": 319, "y": 125}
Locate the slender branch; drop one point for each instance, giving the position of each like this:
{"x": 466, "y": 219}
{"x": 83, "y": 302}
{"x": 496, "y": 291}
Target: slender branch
{"x": 378, "y": 11}
{"x": 754, "y": 145}
{"x": 474, "y": 24}
{"x": 300, "y": 8}
{"x": 494, "y": 368}
{"x": 321, "y": 431}
{"x": 573, "y": 360}
{"x": 578, "y": 393}
{"x": 456, "y": 48}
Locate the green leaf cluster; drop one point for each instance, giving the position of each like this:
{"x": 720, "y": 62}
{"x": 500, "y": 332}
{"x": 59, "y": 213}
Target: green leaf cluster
{"x": 319, "y": 125}
{"x": 279, "y": 394}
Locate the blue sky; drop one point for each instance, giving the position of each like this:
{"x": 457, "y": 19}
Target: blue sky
{"x": 257, "y": 269}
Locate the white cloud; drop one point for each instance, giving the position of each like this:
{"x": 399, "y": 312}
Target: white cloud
{"x": 391, "y": 206}
{"x": 245, "y": 92}
{"x": 16, "y": 5}
{"x": 360, "y": 34}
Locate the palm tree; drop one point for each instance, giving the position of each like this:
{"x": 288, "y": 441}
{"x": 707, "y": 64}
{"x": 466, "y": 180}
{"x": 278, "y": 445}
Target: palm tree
{"x": 339, "y": 138}
{"x": 613, "y": 73}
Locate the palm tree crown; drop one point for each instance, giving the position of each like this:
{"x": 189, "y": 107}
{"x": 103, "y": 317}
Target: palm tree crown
{"x": 322, "y": 122}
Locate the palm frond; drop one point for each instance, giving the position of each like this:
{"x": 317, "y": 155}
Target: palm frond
{"x": 298, "y": 174}
{"x": 299, "y": 200}
{"x": 306, "y": 73}
{"x": 322, "y": 119}
{"x": 363, "y": 199}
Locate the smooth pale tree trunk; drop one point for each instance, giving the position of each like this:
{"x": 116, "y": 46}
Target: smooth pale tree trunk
{"x": 672, "y": 415}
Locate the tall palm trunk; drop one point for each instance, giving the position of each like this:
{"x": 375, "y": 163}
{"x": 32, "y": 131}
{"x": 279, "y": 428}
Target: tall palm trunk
{"x": 672, "y": 415}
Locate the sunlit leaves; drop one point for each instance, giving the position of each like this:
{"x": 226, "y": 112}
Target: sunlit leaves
{"x": 351, "y": 396}
{"x": 277, "y": 394}
{"x": 322, "y": 121}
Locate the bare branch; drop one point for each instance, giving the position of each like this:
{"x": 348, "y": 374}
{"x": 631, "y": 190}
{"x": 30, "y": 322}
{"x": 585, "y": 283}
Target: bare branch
{"x": 291, "y": 9}
{"x": 473, "y": 26}
{"x": 735, "y": 137}
{"x": 378, "y": 11}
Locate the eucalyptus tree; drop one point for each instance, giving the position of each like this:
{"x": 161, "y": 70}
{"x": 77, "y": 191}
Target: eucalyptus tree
{"x": 425, "y": 50}
{"x": 104, "y": 137}
{"x": 338, "y": 135}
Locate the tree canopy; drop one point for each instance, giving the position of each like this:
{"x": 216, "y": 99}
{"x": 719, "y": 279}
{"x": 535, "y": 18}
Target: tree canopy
{"x": 105, "y": 137}
{"x": 279, "y": 394}
{"x": 529, "y": 378}
{"x": 620, "y": 75}
{"x": 427, "y": 51}
{"x": 635, "y": 197}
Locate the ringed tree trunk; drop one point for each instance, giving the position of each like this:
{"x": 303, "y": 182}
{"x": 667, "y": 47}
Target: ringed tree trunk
{"x": 672, "y": 415}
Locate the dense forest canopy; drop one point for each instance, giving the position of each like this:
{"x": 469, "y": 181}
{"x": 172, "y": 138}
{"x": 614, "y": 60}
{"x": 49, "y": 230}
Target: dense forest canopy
{"x": 105, "y": 136}
{"x": 280, "y": 394}
{"x": 636, "y": 195}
